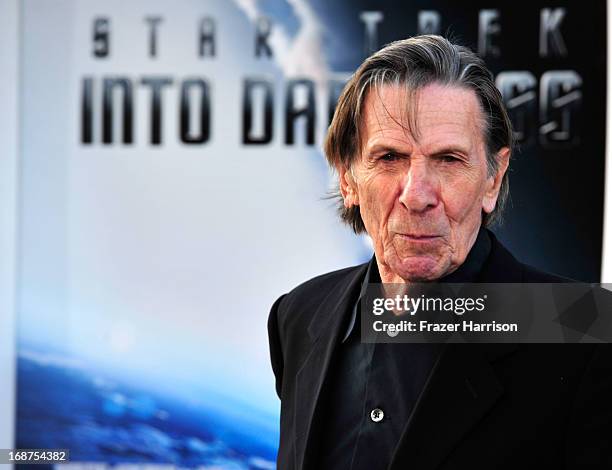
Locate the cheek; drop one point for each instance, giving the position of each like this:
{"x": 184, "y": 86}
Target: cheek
{"x": 377, "y": 198}
{"x": 463, "y": 199}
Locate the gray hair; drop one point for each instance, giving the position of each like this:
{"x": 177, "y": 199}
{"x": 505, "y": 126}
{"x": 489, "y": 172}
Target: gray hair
{"x": 417, "y": 62}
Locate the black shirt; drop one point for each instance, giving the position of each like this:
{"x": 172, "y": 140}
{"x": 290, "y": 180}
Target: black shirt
{"x": 371, "y": 388}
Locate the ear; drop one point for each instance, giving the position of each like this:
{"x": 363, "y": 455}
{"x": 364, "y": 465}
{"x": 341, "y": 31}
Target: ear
{"x": 348, "y": 187}
{"x": 494, "y": 182}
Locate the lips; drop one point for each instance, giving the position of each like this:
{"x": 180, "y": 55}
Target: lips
{"x": 414, "y": 236}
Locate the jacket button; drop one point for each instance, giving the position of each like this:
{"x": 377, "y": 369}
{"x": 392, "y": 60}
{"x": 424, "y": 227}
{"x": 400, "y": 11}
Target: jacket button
{"x": 377, "y": 415}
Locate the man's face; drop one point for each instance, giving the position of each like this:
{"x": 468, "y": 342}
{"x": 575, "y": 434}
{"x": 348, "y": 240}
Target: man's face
{"x": 421, "y": 190}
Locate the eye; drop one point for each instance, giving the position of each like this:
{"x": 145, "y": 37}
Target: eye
{"x": 389, "y": 157}
{"x": 448, "y": 159}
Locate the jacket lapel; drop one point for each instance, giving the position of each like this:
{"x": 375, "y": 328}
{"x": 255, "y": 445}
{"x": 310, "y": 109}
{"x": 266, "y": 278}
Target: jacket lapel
{"x": 324, "y": 331}
{"x": 461, "y": 389}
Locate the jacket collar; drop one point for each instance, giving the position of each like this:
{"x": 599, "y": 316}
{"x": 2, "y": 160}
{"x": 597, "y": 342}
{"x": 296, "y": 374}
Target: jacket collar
{"x": 333, "y": 308}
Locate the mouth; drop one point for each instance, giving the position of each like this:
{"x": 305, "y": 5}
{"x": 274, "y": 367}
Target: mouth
{"x": 414, "y": 237}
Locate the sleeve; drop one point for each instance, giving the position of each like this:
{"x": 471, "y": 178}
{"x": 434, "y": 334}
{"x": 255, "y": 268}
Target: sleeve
{"x": 590, "y": 442}
{"x": 276, "y": 353}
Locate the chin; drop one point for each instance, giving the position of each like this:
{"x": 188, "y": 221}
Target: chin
{"x": 417, "y": 268}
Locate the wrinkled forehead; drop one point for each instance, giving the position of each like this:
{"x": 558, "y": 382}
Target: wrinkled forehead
{"x": 439, "y": 111}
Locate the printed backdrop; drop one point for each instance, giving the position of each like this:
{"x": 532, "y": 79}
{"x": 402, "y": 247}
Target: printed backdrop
{"x": 172, "y": 187}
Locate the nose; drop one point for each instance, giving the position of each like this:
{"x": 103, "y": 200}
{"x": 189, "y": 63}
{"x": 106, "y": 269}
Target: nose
{"x": 420, "y": 190}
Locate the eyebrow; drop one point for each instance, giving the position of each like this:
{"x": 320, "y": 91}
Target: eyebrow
{"x": 450, "y": 149}
{"x": 380, "y": 148}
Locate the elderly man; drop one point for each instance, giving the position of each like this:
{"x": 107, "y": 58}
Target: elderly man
{"x": 421, "y": 143}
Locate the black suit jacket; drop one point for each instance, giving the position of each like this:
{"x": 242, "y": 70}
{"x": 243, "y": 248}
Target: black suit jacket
{"x": 497, "y": 406}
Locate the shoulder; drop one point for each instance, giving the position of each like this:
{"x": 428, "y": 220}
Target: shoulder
{"x": 302, "y": 302}
{"x": 502, "y": 266}
{"x": 534, "y": 275}
{"x": 325, "y": 283}
{"x": 315, "y": 291}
